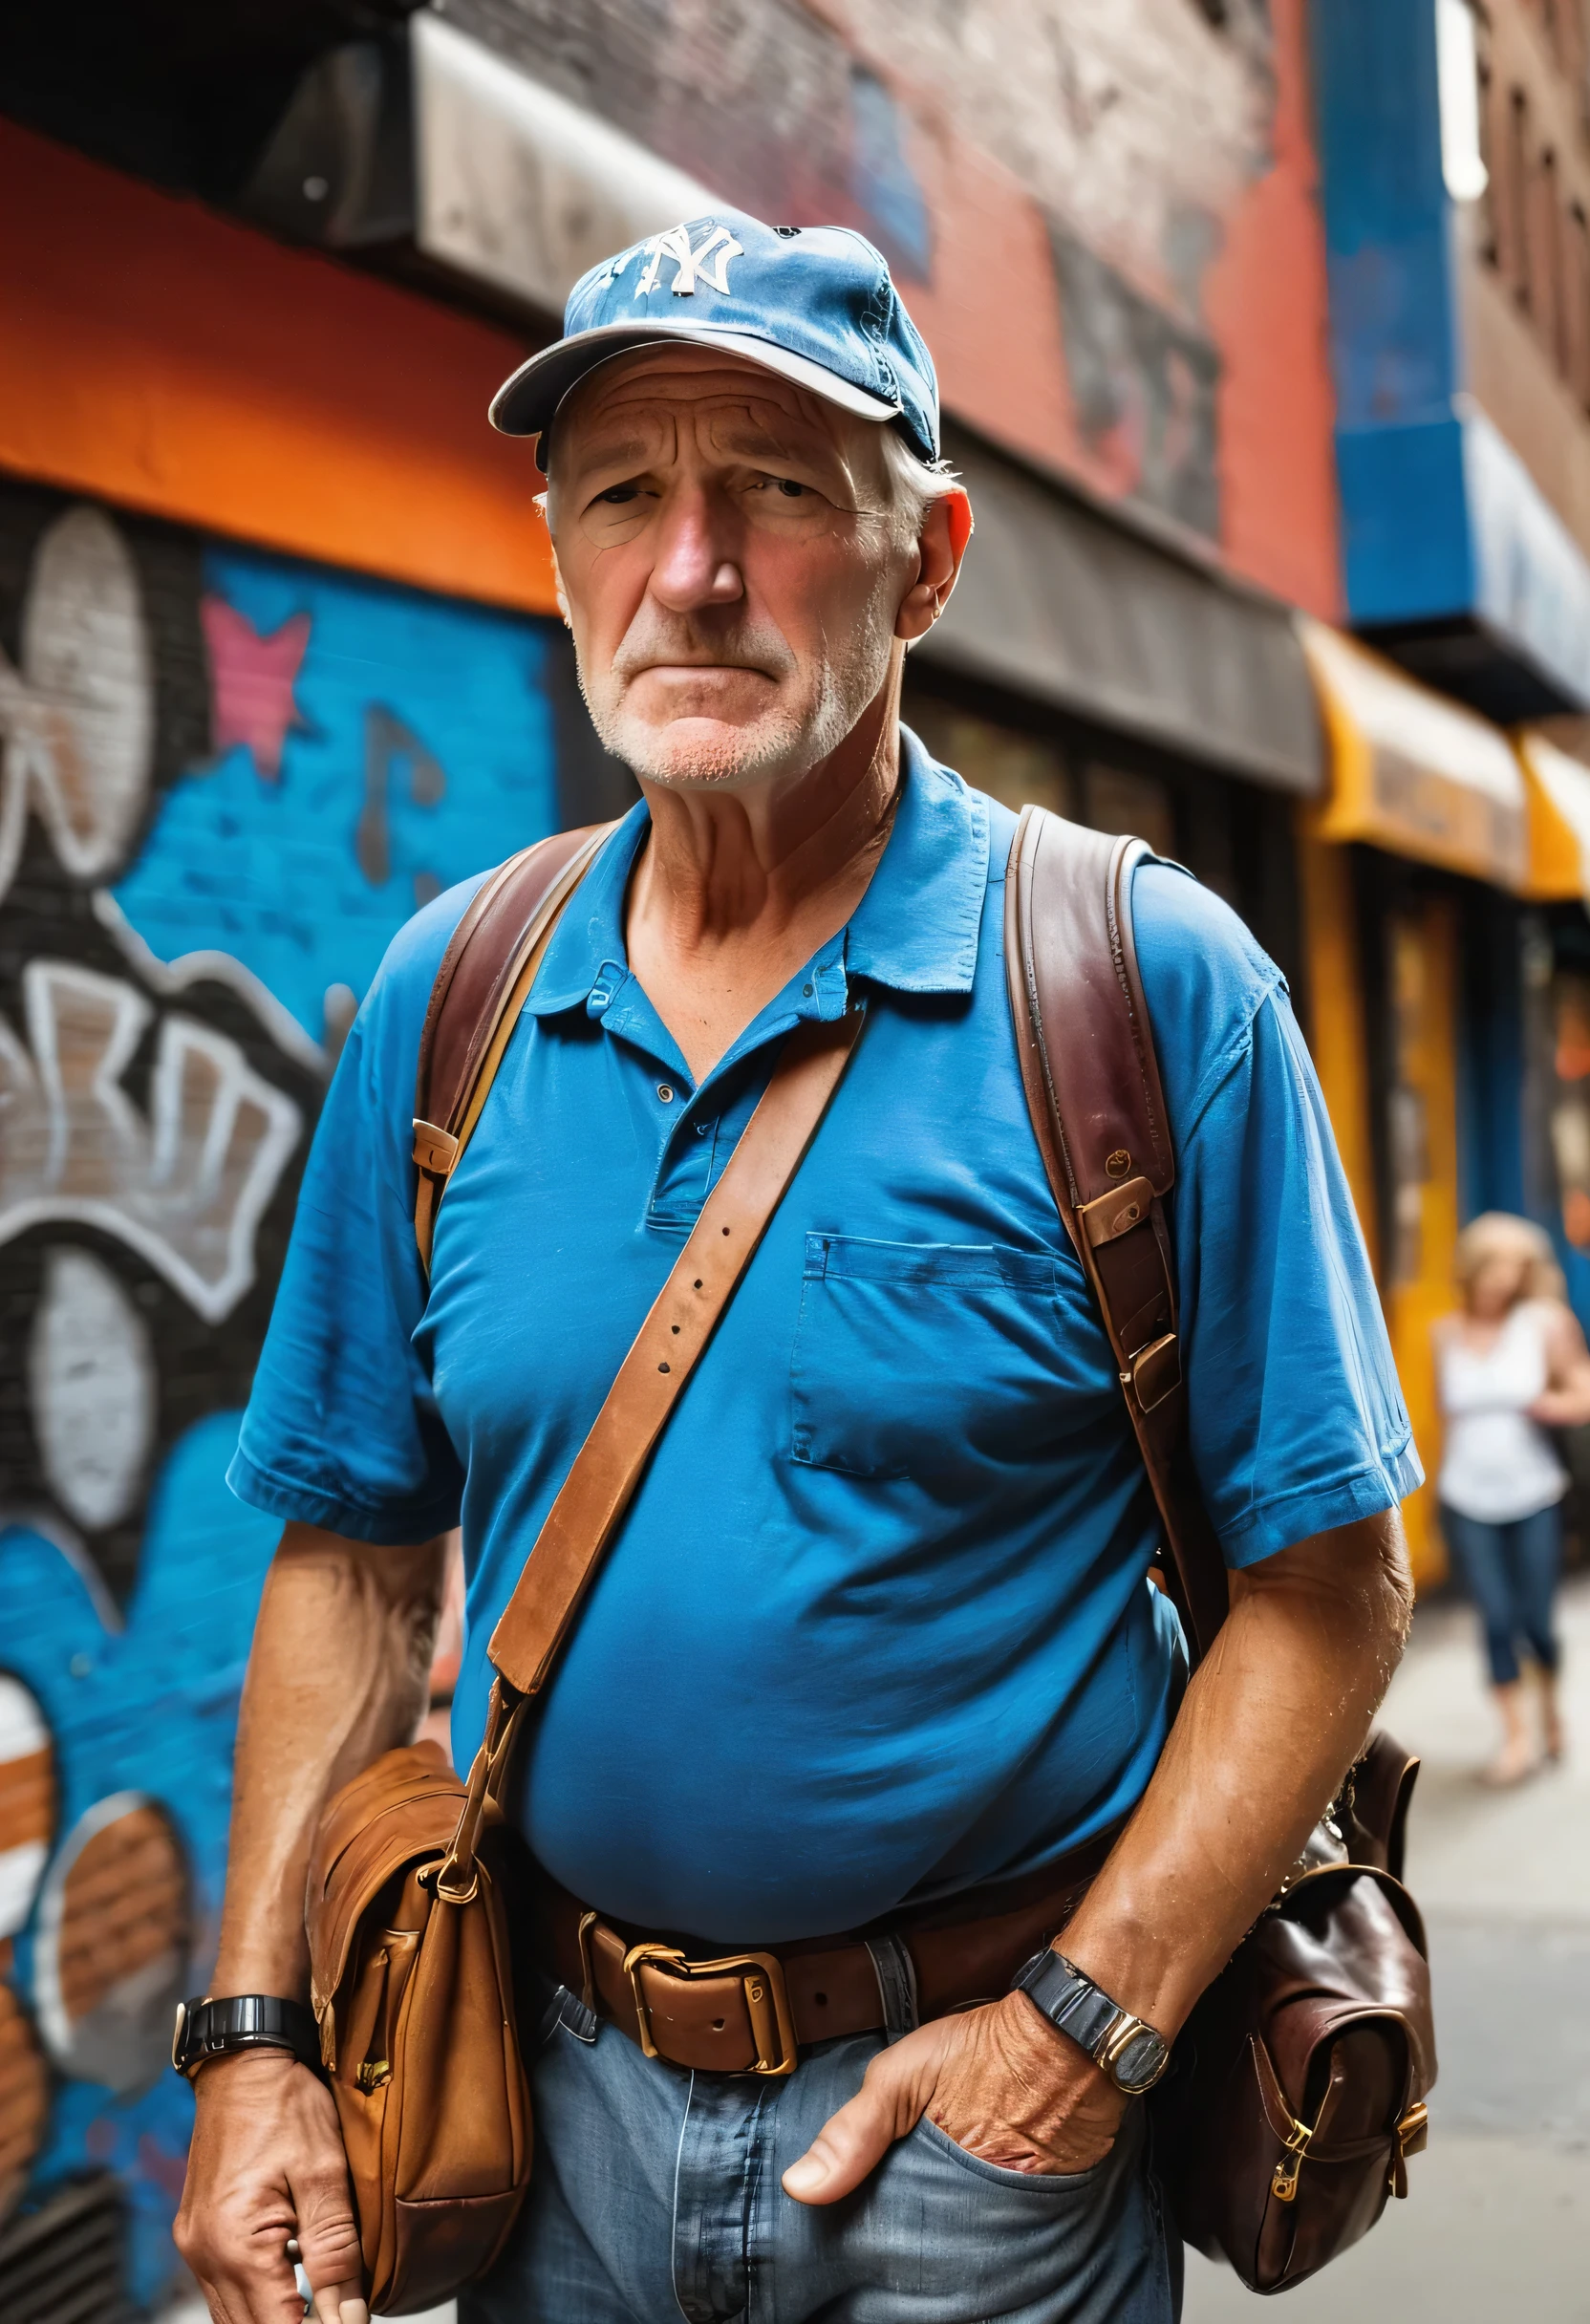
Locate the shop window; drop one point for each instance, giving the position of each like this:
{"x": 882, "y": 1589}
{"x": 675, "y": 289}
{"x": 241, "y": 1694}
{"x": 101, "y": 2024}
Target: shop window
{"x": 1487, "y": 87}
{"x": 1416, "y": 1041}
{"x": 1407, "y": 1118}
{"x": 1462, "y": 80}
{"x": 1017, "y": 769}
{"x": 1578, "y": 271}
{"x": 1570, "y": 1116}
{"x": 1119, "y": 801}
{"x": 1518, "y": 255}
{"x": 1547, "y": 269}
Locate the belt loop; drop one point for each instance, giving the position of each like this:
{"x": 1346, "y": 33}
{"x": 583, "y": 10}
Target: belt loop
{"x": 897, "y": 1975}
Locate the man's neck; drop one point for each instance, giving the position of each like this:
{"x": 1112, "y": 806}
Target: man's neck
{"x": 737, "y": 888}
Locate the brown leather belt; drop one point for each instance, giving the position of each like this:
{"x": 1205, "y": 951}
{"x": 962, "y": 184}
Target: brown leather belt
{"x": 754, "y": 2012}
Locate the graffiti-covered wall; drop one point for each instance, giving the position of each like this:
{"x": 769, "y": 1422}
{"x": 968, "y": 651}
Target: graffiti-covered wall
{"x": 225, "y": 779}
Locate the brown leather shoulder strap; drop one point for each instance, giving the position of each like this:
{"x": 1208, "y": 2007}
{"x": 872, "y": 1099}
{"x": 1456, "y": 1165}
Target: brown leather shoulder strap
{"x": 536, "y": 1622}
{"x": 667, "y": 1348}
{"x": 480, "y": 987}
{"x": 1093, "y": 1089}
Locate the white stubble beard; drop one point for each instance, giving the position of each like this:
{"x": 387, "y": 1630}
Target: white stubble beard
{"x": 784, "y": 740}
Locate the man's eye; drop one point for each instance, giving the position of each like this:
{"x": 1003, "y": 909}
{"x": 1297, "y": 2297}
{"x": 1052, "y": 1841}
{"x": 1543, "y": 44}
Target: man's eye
{"x": 617, "y": 495}
{"x": 791, "y": 490}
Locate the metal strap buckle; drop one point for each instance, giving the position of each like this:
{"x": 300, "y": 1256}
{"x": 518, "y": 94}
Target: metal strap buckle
{"x": 1296, "y": 2144}
{"x": 763, "y": 1983}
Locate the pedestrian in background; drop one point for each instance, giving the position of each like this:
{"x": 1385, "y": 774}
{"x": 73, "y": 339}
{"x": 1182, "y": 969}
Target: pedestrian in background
{"x": 1511, "y": 1365}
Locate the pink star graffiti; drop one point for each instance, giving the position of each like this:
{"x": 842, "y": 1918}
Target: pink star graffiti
{"x": 251, "y": 683}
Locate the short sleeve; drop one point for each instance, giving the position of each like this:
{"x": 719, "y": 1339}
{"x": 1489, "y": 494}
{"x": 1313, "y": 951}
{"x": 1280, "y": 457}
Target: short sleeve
{"x": 342, "y": 1428}
{"x": 1295, "y": 1417}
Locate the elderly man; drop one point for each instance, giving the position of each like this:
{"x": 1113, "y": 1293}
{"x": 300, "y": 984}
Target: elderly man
{"x": 878, "y": 1630}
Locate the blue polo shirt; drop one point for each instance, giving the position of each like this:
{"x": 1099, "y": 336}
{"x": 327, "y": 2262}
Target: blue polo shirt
{"x": 877, "y": 1623}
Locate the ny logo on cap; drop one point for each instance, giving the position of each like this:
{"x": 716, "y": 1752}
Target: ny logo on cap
{"x": 719, "y": 247}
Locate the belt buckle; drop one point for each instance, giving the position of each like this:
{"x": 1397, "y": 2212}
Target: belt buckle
{"x": 762, "y": 1982}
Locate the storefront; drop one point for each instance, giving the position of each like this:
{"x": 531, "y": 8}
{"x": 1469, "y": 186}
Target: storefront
{"x": 1443, "y": 879}
{"x": 1557, "y": 1077}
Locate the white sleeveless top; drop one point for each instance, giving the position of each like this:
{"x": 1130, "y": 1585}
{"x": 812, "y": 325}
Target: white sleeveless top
{"x": 1498, "y": 1465}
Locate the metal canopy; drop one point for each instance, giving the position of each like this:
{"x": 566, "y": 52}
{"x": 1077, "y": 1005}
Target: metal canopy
{"x": 517, "y": 187}
{"x": 1063, "y": 603}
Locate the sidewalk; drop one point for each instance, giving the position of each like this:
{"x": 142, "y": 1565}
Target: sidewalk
{"x": 1496, "y": 2226}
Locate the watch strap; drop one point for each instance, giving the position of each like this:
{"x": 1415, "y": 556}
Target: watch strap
{"x": 206, "y": 2027}
{"x": 1070, "y": 2000}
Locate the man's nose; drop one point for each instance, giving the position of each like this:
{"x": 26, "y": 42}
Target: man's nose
{"x": 695, "y": 565}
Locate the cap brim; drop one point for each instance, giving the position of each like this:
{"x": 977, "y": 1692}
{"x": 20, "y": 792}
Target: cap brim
{"x": 525, "y": 404}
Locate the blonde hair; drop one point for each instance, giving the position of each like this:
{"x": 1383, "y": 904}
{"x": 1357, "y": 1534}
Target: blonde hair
{"x": 1499, "y": 1235}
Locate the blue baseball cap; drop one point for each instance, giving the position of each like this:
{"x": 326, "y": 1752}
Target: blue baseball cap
{"x": 814, "y": 303}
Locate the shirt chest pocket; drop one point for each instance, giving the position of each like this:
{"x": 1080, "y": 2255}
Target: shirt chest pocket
{"x": 924, "y": 1359}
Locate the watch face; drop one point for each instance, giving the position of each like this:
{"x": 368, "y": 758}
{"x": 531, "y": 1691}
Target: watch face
{"x": 1140, "y": 2062}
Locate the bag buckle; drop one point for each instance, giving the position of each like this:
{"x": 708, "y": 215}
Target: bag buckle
{"x": 1284, "y": 2184}
{"x": 1412, "y": 2138}
{"x": 762, "y": 1982}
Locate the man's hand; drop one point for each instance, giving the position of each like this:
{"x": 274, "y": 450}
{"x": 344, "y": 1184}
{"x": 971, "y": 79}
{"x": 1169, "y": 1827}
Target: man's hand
{"x": 266, "y": 2164}
{"x": 342, "y": 1648}
{"x": 997, "y": 2080}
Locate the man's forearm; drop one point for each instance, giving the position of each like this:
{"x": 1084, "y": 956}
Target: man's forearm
{"x": 1270, "y": 1722}
{"x": 337, "y": 1674}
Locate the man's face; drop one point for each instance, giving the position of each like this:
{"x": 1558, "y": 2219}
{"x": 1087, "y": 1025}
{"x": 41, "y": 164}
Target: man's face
{"x": 730, "y": 564}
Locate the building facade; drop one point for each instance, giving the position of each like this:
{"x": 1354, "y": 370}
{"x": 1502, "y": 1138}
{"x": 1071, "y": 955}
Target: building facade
{"x": 1447, "y": 869}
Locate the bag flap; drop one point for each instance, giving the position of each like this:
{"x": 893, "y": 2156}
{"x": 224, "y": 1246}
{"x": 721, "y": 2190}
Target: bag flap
{"x": 1375, "y": 1811}
{"x": 1343, "y": 1948}
{"x": 400, "y": 1811}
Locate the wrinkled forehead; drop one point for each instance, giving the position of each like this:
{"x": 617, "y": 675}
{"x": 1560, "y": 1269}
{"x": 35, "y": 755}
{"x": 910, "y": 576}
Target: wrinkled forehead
{"x": 644, "y": 404}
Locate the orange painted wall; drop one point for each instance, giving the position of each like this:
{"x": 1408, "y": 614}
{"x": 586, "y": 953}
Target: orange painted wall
{"x": 155, "y": 355}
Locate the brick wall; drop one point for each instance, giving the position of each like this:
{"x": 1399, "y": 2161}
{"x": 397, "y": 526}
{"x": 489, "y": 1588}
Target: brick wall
{"x": 1100, "y": 211}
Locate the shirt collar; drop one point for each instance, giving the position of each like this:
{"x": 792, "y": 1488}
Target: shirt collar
{"x": 916, "y": 930}
{"x": 916, "y": 927}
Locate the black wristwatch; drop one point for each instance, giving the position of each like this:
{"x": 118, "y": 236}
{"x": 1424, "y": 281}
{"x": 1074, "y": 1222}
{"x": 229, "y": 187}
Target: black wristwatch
{"x": 207, "y": 2029}
{"x": 1120, "y": 2045}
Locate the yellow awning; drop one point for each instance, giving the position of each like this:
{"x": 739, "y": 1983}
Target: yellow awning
{"x": 1413, "y": 772}
{"x": 1558, "y": 819}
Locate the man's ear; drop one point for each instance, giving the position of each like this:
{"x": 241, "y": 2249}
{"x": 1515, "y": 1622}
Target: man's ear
{"x": 542, "y": 502}
{"x": 946, "y": 530}
{"x": 557, "y": 583}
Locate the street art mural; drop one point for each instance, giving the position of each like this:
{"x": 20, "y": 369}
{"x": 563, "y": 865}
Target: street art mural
{"x": 225, "y": 779}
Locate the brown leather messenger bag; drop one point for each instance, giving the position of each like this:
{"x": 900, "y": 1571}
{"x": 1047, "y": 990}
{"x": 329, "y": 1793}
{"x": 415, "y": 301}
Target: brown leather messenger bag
{"x": 1314, "y": 2050}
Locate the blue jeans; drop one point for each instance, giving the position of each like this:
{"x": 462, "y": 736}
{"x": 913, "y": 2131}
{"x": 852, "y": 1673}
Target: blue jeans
{"x": 1511, "y": 1572}
{"x": 655, "y": 2196}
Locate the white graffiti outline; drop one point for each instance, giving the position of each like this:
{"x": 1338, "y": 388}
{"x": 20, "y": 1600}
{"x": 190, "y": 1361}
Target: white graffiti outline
{"x": 139, "y": 1193}
{"x": 171, "y": 977}
{"x": 77, "y": 718}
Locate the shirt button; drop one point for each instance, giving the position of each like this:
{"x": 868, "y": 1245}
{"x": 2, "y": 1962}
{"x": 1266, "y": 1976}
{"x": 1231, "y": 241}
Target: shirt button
{"x": 665, "y": 1091}
{"x": 806, "y": 991}
{"x": 701, "y": 1129}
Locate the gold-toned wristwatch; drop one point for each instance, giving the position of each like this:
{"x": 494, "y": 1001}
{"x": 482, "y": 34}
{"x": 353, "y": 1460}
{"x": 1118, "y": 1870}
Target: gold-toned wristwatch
{"x": 1120, "y": 2045}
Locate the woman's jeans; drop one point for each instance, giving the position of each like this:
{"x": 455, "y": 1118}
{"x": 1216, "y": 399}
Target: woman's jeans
{"x": 655, "y": 2196}
{"x": 1512, "y": 1572}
